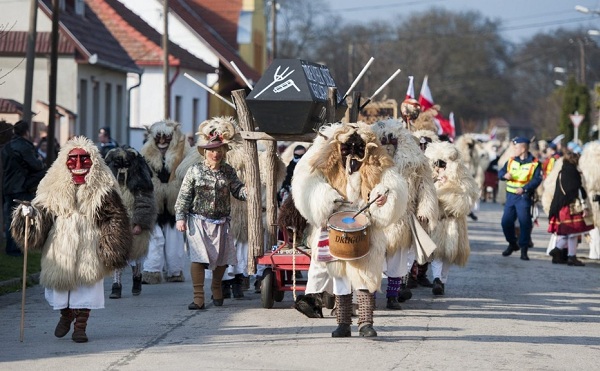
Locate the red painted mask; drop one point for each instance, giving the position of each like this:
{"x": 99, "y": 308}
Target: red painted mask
{"x": 79, "y": 163}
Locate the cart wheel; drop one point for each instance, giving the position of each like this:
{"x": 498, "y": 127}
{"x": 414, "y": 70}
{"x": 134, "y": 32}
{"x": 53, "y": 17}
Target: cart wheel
{"x": 266, "y": 289}
{"x": 278, "y": 296}
{"x": 328, "y": 300}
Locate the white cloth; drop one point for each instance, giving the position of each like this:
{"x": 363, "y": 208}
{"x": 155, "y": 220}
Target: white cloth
{"x": 594, "y": 244}
{"x": 82, "y": 297}
{"x": 165, "y": 251}
{"x": 343, "y": 286}
{"x": 440, "y": 269}
{"x": 397, "y": 263}
{"x": 210, "y": 243}
{"x": 241, "y": 249}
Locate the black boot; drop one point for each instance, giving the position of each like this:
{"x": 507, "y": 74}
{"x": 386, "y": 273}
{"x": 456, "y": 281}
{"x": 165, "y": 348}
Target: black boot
{"x": 572, "y": 260}
{"x": 509, "y": 250}
{"x": 422, "y": 276}
{"x": 565, "y": 254}
{"x": 438, "y": 287}
{"x": 136, "y": 289}
{"x": 404, "y": 294}
{"x": 226, "y": 287}
{"x": 116, "y": 291}
{"x": 557, "y": 257}
{"x": 236, "y": 286}
{"x": 310, "y": 305}
{"x": 524, "y": 253}
{"x": 393, "y": 304}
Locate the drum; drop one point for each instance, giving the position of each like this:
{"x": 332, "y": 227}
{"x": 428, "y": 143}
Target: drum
{"x": 348, "y": 239}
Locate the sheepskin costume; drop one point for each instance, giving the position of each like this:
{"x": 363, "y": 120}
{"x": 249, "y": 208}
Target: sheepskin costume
{"x": 135, "y": 183}
{"x": 82, "y": 230}
{"x": 426, "y": 120}
{"x": 474, "y": 156}
{"x": 414, "y": 167}
{"x": 166, "y": 245}
{"x": 550, "y": 184}
{"x": 588, "y": 163}
{"x": 321, "y": 179}
{"x": 456, "y": 192}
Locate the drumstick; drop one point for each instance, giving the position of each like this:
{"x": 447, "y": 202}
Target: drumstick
{"x": 366, "y": 206}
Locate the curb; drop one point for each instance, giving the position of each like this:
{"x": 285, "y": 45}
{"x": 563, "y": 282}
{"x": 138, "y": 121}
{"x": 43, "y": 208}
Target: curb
{"x": 31, "y": 278}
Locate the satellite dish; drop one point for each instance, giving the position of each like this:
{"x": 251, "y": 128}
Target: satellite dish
{"x": 93, "y": 59}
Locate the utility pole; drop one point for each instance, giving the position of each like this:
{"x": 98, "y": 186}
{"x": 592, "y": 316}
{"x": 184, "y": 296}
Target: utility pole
{"x": 165, "y": 47}
{"x": 273, "y": 29}
{"x": 581, "y": 61}
{"x": 31, "y": 37}
{"x": 52, "y": 83}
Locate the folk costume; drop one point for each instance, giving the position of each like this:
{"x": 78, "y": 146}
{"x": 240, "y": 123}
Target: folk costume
{"x": 412, "y": 164}
{"x": 568, "y": 224}
{"x": 203, "y": 211}
{"x": 164, "y": 151}
{"x": 345, "y": 169}
{"x": 456, "y": 192}
{"x": 81, "y": 226}
{"x": 135, "y": 183}
{"x": 525, "y": 175}
{"x": 236, "y": 158}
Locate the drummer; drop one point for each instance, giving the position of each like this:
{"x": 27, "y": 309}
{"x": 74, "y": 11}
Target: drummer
{"x": 203, "y": 213}
{"x": 347, "y": 166}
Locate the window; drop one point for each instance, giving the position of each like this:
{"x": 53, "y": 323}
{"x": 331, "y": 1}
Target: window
{"x": 178, "y": 108}
{"x": 195, "y": 111}
{"x": 83, "y": 104}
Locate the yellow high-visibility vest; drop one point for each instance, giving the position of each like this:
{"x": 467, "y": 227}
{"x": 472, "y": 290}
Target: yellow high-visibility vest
{"x": 521, "y": 174}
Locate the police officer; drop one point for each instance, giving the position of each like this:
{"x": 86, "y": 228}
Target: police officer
{"x": 523, "y": 175}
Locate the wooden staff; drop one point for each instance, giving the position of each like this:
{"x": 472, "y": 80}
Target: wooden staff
{"x": 208, "y": 89}
{"x": 380, "y": 89}
{"x": 27, "y": 221}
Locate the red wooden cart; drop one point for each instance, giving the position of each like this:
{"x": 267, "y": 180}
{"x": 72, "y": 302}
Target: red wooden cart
{"x": 280, "y": 274}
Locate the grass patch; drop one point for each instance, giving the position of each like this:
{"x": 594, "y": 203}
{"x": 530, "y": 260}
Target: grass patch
{"x": 12, "y": 267}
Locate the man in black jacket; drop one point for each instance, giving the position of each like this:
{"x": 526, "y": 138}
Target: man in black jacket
{"x": 23, "y": 170}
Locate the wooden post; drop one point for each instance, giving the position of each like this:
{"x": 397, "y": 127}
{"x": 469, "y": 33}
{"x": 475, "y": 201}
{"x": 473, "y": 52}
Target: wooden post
{"x": 271, "y": 193}
{"x": 355, "y": 107}
{"x": 332, "y": 104}
{"x": 255, "y": 227}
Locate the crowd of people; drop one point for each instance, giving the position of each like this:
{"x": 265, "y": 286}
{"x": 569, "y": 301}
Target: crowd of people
{"x": 100, "y": 208}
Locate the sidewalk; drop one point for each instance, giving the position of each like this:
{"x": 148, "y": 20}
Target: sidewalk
{"x": 498, "y": 313}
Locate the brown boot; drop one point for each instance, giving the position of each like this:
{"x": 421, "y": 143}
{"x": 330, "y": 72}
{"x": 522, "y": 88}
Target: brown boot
{"x": 81, "y": 318}
{"x": 197, "y": 273}
{"x": 64, "y": 323}
{"x": 366, "y": 305}
{"x": 216, "y": 288}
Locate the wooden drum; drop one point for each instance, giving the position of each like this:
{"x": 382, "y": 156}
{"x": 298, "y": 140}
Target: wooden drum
{"x": 348, "y": 239}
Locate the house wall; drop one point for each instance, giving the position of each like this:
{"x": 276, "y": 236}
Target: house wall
{"x": 150, "y": 11}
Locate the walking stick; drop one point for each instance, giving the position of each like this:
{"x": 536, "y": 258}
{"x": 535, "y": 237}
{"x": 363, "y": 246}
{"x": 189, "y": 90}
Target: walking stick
{"x": 27, "y": 221}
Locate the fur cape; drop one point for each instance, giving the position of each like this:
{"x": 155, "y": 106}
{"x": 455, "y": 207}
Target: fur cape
{"x": 165, "y": 194}
{"x": 412, "y": 164}
{"x": 320, "y": 179}
{"x": 135, "y": 182}
{"x": 236, "y": 157}
{"x": 82, "y": 230}
{"x": 588, "y": 163}
{"x": 426, "y": 120}
{"x": 474, "y": 156}
{"x": 457, "y": 191}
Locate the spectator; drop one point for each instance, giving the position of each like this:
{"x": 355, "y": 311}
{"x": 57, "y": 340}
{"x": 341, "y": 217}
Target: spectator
{"x": 299, "y": 151}
{"x": 23, "y": 170}
{"x": 105, "y": 142}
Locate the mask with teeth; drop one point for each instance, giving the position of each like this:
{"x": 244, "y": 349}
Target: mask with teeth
{"x": 162, "y": 141}
{"x": 79, "y": 163}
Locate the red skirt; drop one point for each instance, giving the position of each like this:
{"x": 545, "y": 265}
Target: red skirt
{"x": 491, "y": 179}
{"x": 567, "y": 224}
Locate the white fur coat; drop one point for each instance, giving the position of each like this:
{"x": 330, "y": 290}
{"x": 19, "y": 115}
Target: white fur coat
{"x": 320, "y": 179}
{"x": 457, "y": 191}
{"x": 412, "y": 164}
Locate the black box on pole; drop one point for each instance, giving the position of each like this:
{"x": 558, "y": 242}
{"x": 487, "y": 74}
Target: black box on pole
{"x": 291, "y": 97}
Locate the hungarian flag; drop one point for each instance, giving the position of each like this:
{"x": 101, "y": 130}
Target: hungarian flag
{"x": 425, "y": 98}
{"x": 410, "y": 92}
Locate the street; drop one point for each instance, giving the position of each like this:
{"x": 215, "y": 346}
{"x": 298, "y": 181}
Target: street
{"x": 498, "y": 313}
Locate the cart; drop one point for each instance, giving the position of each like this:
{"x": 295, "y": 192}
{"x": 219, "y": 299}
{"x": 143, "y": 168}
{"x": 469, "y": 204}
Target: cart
{"x": 280, "y": 274}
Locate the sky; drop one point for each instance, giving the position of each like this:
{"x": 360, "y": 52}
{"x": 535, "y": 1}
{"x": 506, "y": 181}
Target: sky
{"x": 521, "y": 19}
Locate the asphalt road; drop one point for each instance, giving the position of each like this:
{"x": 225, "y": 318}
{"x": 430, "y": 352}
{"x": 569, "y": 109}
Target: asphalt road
{"x": 498, "y": 313}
